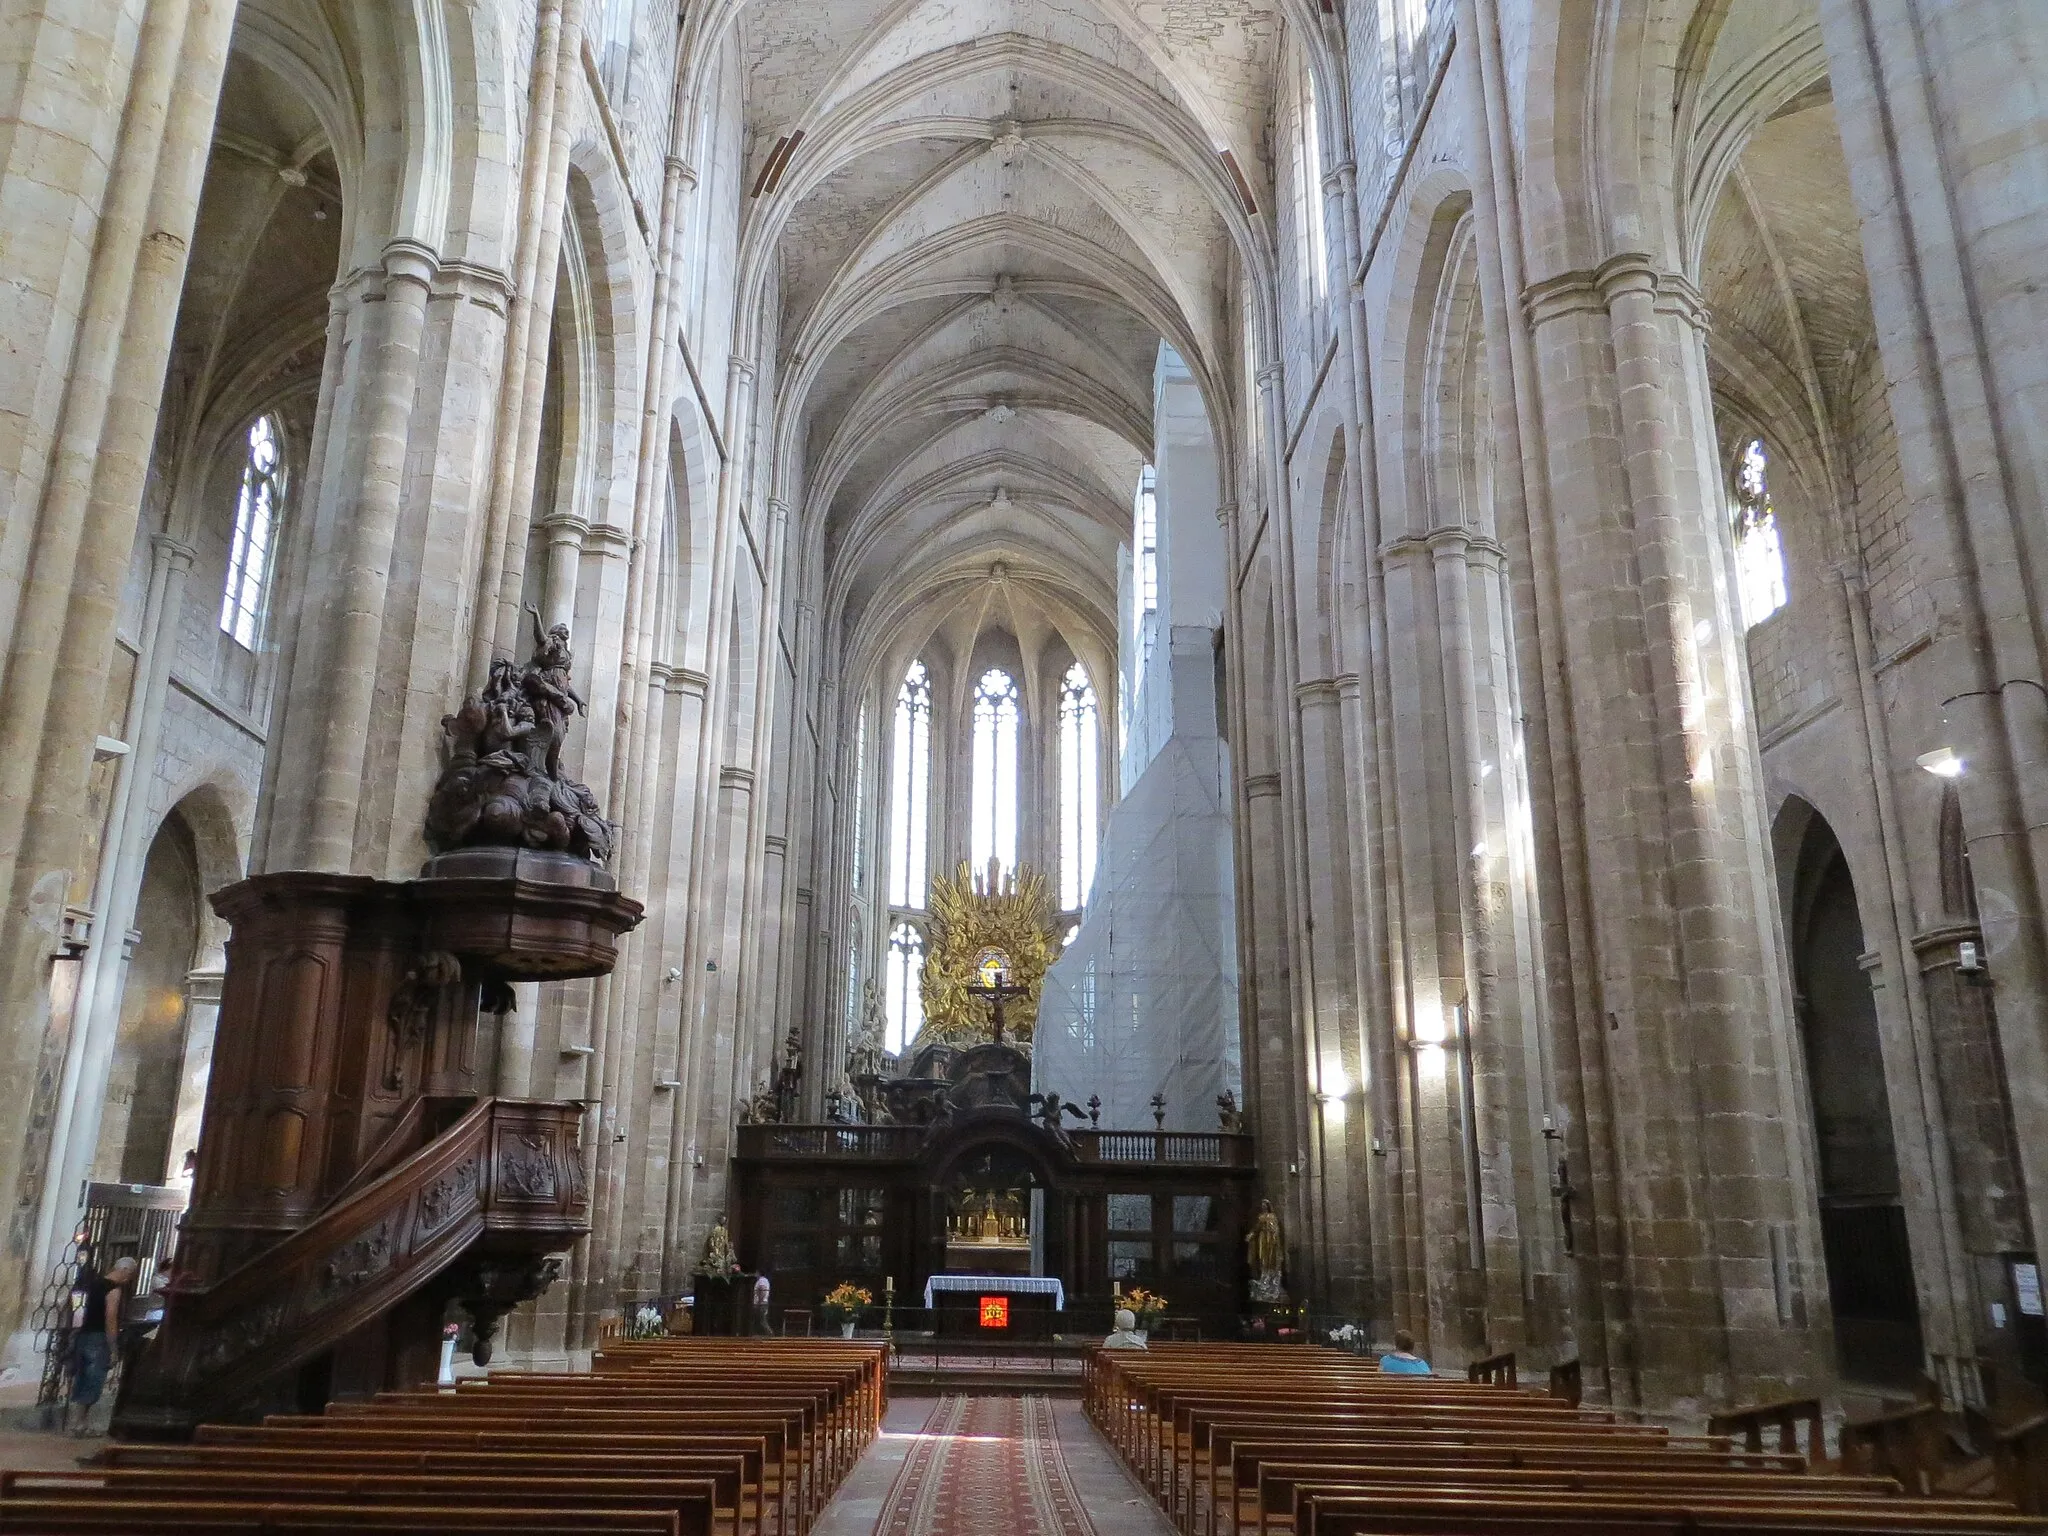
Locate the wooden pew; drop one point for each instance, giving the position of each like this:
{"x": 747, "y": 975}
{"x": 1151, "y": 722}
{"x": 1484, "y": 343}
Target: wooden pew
{"x": 1280, "y": 1441}
{"x": 670, "y": 1438}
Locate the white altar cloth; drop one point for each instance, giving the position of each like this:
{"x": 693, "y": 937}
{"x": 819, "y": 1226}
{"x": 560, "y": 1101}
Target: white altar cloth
{"x": 999, "y": 1285}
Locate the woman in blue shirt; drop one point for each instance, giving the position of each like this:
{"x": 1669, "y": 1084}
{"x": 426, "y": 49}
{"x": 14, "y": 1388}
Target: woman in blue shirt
{"x": 1404, "y": 1361}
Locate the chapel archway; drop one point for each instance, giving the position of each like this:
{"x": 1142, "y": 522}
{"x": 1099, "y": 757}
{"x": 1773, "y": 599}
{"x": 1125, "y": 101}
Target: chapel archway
{"x": 1863, "y": 1220}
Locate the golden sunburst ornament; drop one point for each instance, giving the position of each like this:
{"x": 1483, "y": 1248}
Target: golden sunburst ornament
{"x": 995, "y": 922}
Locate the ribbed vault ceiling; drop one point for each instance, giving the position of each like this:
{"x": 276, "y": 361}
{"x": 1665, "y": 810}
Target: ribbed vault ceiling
{"x": 995, "y": 211}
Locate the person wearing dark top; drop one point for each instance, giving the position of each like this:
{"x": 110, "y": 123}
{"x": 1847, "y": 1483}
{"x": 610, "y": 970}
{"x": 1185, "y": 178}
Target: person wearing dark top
{"x": 96, "y": 1303}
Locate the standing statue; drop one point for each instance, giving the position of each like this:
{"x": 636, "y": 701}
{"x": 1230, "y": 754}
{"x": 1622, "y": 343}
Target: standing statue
{"x": 502, "y": 784}
{"x": 1229, "y": 1118}
{"x": 864, "y": 1055}
{"x": 719, "y": 1259}
{"x": 1265, "y": 1255}
{"x": 760, "y": 1107}
{"x": 789, "y": 1077}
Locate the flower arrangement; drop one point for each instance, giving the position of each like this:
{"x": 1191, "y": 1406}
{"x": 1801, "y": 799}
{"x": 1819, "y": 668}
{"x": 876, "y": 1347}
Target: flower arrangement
{"x": 1148, "y": 1305}
{"x": 1350, "y": 1336}
{"x": 843, "y": 1302}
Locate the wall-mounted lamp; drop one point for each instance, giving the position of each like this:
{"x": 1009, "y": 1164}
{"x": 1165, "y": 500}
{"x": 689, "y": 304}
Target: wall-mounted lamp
{"x": 1942, "y": 762}
{"x": 667, "y": 1084}
{"x": 579, "y": 1050}
{"x": 1378, "y": 1147}
{"x": 1969, "y": 959}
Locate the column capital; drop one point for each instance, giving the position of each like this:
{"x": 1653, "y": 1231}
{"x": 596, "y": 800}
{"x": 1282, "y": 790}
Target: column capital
{"x": 605, "y": 538}
{"x": 1271, "y": 375}
{"x": 1226, "y": 512}
{"x": 1597, "y": 289}
{"x": 173, "y": 554}
{"x": 681, "y": 169}
{"x": 410, "y": 261}
{"x": 568, "y": 528}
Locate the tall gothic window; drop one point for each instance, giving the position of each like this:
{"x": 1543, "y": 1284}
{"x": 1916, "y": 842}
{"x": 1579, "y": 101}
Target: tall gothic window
{"x": 1080, "y": 788}
{"x": 256, "y": 510}
{"x": 1759, "y": 557}
{"x": 994, "y": 832}
{"x": 860, "y": 800}
{"x": 910, "y": 789}
{"x": 904, "y": 1004}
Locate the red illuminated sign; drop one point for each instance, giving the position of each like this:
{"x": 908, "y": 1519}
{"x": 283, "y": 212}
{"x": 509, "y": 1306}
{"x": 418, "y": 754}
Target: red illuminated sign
{"x": 995, "y": 1311}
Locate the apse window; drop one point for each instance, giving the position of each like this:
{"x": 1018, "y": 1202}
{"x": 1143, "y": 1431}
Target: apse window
{"x": 1759, "y": 556}
{"x": 1080, "y": 790}
{"x": 860, "y": 801}
{"x": 904, "y": 1004}
{"x": 994, "y": 829}
{"x": 256, "y": 509}
{"x": 910, "y": 790}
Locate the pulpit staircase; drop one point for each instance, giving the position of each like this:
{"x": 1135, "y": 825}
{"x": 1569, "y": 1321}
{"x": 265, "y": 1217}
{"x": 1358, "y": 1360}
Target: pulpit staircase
{"x": 474, "y": 1211}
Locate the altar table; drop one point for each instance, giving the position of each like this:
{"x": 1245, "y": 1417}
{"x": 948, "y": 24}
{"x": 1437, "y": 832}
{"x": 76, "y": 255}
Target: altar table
{"x": 999, "y": 1285}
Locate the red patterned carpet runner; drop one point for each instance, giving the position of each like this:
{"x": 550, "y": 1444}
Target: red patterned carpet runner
{"x": 985, "y": 1466}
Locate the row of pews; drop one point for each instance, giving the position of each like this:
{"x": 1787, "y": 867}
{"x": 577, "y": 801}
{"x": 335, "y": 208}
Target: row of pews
{"x": 670, "y": 1437}
{"x": 1244, "y": 1440}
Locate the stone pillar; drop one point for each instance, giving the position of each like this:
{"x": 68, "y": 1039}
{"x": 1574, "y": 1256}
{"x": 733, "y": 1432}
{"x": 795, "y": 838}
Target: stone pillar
{"x": 1940, "y": 104}
{"x": 202, "y": 1015}
{"x": 100, "y": 336}
{"x": 1342, "y": 1127}
{"x": 75, "y": 1134}
{"x": 1700, "y": 1262}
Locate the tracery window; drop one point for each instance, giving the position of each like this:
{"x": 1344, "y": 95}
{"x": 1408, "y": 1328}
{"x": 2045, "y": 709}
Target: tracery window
{"x": 994, "y": 828}
{"x": 1759, "y": 556}
{"x": 904, "y": 1001}
{"x": 910, "y": 790}
{"x": 256, "y": 513}
{"x": 1079, "y": 787}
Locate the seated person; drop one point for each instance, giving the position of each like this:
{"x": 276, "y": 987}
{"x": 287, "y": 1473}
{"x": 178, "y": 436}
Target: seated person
{"x": 1126, "y": 1335}
{"x": 1404, "y": 1361}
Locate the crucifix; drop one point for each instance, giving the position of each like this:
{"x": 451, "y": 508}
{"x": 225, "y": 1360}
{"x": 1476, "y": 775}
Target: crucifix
{"x": 992, "y": 981}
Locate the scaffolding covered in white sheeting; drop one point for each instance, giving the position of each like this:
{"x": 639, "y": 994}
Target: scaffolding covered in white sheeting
{"x": 1144, "y": 1001}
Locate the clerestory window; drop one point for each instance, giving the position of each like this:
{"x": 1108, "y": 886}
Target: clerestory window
{"x": 910, "y": 790}
{"x": 256, "y": 516}
{"x": 1080, "y": 789}
{"x": 1759, "y": 556}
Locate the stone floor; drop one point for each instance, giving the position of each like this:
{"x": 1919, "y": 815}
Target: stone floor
{"x": 1114, "y": 1503}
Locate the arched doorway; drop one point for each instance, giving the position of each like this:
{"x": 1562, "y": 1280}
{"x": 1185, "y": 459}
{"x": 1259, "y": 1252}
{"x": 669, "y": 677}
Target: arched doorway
{"x": 1863, "y": 1221}
{"x": 142, "y": 1086}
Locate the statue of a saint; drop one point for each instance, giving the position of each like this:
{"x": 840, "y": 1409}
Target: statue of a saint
{"x": 760, "y": 1108}
{"x": 502, "y": 785}
{"x": 864, "y": 1055}
{"x": 1265, "y": 1255}
{"x": 789, "y": 1077}
{"x": 719, "y": 1259}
